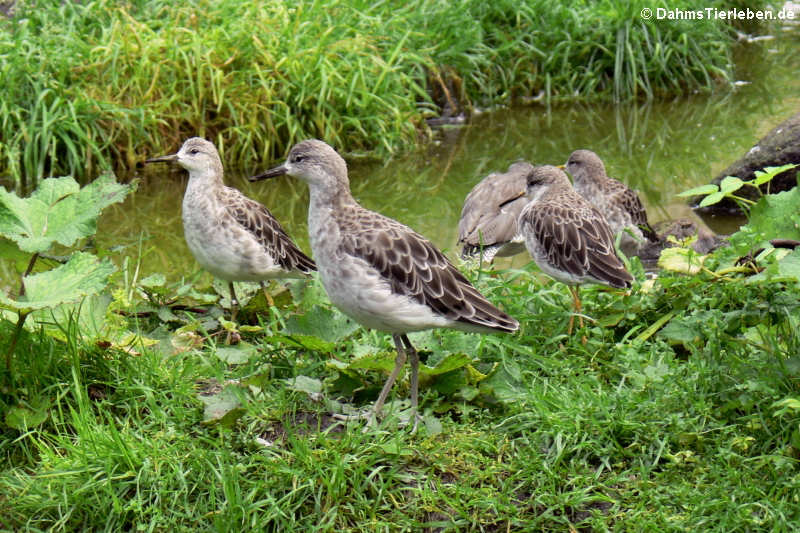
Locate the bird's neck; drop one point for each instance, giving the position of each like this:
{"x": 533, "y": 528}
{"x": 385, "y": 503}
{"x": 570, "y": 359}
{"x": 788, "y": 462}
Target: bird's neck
{"x": 588, "y": 186}
{"x": 204, "y": 182}
{"x": 329, "y": 196}
{"x": 324, "y": 204}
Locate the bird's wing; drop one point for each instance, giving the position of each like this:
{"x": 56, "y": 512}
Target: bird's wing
{"x": 630, "y": 201}
{"x": 490, "y": 211}
{"x": 576, "y": 240}
{"x": 257, "y": 219}
{"x": 413, "y": 266}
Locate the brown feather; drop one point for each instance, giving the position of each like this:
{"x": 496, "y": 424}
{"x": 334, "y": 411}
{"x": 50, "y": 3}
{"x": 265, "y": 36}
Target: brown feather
{"x": 417, "y": 269}
{"x": 257, "y": 219}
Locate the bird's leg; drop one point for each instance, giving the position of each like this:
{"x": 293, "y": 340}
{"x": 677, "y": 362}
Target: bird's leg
{"x": 233, "y": 335}
{"x": 234, "y": 302}
{"x": 577, "y": 306}
{"x": 576, "y": 309}
{"x": 398, "y": 366}
{"x": 267, "y": 295}
{"x": 414, "y": 362}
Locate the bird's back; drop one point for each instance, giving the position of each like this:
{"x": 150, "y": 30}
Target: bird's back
{"x": 397, "y": 273}
{"x": 571, "y": 241}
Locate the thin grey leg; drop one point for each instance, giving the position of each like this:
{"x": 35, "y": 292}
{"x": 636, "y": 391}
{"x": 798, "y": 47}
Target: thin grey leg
{"x": 398, "y": 366}
{"x": 414, "y": 362}
{"x": 234, "y": 302}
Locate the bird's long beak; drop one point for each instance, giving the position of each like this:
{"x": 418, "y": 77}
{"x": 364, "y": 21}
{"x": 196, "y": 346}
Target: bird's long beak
{"x": 271, "y": 173}
{"x": 163, "y": 159}
{"x": 562, "y": 167}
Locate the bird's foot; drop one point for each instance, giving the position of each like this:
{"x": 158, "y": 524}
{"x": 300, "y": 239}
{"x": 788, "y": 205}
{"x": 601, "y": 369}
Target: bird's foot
{"x": 417, "y": 418}
{"x": 362, "y": 415}
{"x": 404, "y": 417}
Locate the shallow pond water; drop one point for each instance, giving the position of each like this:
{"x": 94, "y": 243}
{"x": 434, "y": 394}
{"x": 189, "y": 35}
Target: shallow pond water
{"x": 658, "y": 148}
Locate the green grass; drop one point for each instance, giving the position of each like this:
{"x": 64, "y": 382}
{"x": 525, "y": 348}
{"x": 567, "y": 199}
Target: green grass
{"x": 93, "y": 85}
{"x": 691, "y": 428}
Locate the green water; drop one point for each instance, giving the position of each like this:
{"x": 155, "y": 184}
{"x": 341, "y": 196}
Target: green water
{"x": 660, "y": 149}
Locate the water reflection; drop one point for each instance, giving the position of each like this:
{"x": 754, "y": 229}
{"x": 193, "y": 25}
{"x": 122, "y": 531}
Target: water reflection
{"x": 658, "y": 148}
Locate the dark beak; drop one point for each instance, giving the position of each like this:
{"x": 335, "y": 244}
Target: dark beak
{"x": 163, "y": 159}
{"x": 271, "y": 173}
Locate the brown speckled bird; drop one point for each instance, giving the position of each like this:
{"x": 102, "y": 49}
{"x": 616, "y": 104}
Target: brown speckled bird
{"x": 567, "y": 237}
{"x": 233, "y": 237}
{"x": 488, "y": 221}
{"x": 380, "y": 272}
{"x": 619, "y": 204}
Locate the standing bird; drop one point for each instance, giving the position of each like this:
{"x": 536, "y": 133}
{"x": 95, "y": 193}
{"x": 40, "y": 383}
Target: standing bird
{"x": 230, "y": 235}
{"x": 380, "y": 272}
{"x": 619, "y": 204}
{"x": 567, "y": 237}
{"x": 488, "y": 221}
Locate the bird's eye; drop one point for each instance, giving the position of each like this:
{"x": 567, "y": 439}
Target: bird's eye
{"x": 194, "y": 151}
{"x": 298, "y": 158}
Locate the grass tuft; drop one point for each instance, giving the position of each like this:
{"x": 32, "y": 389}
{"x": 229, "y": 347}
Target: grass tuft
{"x": 94, "y": 85}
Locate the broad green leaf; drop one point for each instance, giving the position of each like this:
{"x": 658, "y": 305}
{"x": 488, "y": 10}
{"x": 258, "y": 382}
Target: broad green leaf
{"x": 59, "y": 211}
{"x": 396, "y": 447}
{"x": 165, "y": 314}
{"x": 703, "y": 189}
{"x": 309, "y": 342}
{"x": 83, "y": 275}
{"x": 23, "y": 418}
{"x": 730, "y": 184}
{"x": 183, "y": 341}
{"x": 712, "y": 199}
{"x": 504, "y": 385}
{"x": 222, "y": 408}
{"x": 305, "y": 384}
{"x": 776, "y": 216}
{"x": 245, "y": 291}
{"x": 683, "y": 260}
{"x": 475, "y": 376}
{"x": 10, "y": 251}
{"x": 90, "y": 315}
{"x": 451, "y": 362}
{"x": 322, "y": 323}
{"x": 769, "y": 173}
{"x": 681, "y": 331}
{"x": 450, "y": 383}
{"x": 374, "y": 361}
{"x": 432, "y": 425}
{"x": 238, "y": 354}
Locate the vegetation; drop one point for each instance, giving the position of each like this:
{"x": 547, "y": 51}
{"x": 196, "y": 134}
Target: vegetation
{"x": 679, "y": 413}
{"x": 94, "y": 85}
{"x": 729, "y": 185}
{"x": 58, "y": 213}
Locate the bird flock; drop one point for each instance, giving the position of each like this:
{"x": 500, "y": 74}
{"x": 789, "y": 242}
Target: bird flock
{"x": 386, "y": 276}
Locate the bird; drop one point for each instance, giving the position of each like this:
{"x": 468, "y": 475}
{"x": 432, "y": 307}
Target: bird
{"x": 379, "y": 271}
{"x": 488, "y": 221}
{"x": 619, "y": 204}
{"x": 231, "y": 236}
{"x": 567, "y": 237}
